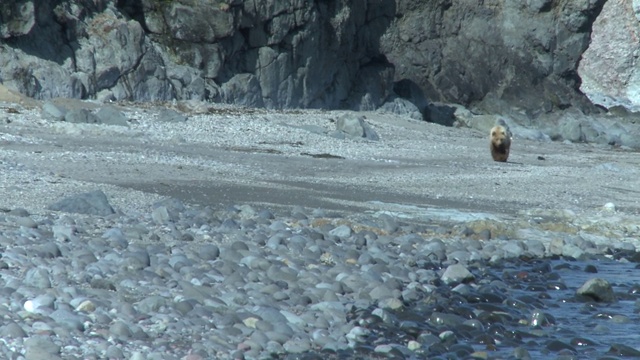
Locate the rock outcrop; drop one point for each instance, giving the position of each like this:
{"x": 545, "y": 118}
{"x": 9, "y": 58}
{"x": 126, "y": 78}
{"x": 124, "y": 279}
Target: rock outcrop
{"x": 276, "y": 54}
{"x": 492, "y": 55}
{"x": 609, "y": 68}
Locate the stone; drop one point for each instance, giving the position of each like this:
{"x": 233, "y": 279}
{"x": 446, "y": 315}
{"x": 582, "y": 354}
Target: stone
{"x": 296, "y": 346}
{"x": 623, "y": 350}
{"x": 25, "y": 221}
{"x": 455, "y": 274}
{"x": 81, "y": 116}
{"x": 86, "y": 306}
{"x": 556, "y": 245}
{"x": 401, "y": 106}
{"x": 109, "y": 115}
{"x": 355, "y": 126}
{"x": 91, "y": 203}
{"x": 244, "y": 90}
{"x": 208, "y": 252}
{"x": 52, "y": 111}
{"x": 599, "y": 290}
{"x": 38, "y": 277}
{"x": 172, "y": 116}
{"x": 41, "y": 347}
{"x": 12, "y": 331}
{"x": 609, "y": 207}
{"x": 342, "y": 231}
{"x": 41, "y": 301}
{"x": 69, "y": 320}
{"x": 162, "y": 216}
{"x": 120, "y": 330}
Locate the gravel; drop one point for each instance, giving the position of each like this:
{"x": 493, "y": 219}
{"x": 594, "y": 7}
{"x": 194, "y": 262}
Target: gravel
{"x": 110, "y": 289}
{"x": 91, "y": 267}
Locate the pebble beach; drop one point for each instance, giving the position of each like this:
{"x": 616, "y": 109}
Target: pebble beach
{"x": 222, "y": 233}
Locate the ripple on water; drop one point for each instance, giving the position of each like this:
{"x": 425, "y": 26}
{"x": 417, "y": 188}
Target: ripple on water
{"x": 533, "y": 313}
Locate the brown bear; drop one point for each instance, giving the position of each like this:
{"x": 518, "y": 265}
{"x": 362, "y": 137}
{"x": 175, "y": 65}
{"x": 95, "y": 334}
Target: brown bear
{"x": 500, "y": 141}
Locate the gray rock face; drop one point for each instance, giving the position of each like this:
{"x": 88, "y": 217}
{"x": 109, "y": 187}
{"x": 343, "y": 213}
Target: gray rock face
{"x": 260, "y": 53}
{"x": 609, "y": 68}
{"x": 243, "y": 89}
{"x": 497, "y": 57}
{"x": 16, "y": 18}
{"x": 402, "y": 106}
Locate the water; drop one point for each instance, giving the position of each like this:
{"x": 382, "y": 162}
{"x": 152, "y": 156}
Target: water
{"x": 588, "y": 327}
{"x": 522, "y": 309}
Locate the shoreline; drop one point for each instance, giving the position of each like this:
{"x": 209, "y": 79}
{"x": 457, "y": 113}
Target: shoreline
{"x": 262, "y": 251}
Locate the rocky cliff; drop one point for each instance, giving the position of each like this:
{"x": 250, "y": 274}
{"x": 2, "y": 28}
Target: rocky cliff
{"x": 275, "y": 54}
{"x": 610, "y": 69}
{"x": 492, "y": 55}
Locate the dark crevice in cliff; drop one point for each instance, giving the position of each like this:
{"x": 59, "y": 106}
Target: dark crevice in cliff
{"x": 134, "y": 9}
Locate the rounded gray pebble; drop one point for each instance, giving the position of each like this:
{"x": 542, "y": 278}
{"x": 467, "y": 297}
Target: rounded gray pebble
{"x": 49, "y": 250}
{"x": 12, "y": 331}
{"x": 25, "y": 221}
{"x": 68, "y": 319}
{"x": 151, "y": 304}
{"x": 40, "y": 348}
{"x": 296, "y": 346}
{"x": 38, "y": 277}
{"x": 114, "y": 352}
{"x": 456, "y": 273}
{"x": 342, "y": 231}
{"x": 120, "y": 330}
{"x": 208, "y": 252}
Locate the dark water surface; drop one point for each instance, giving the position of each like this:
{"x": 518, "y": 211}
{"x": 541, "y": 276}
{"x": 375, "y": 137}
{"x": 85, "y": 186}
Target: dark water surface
{"x": 600, "y": 325}
{"x": 559, "y": 324}
{"x": 526, "y": 309}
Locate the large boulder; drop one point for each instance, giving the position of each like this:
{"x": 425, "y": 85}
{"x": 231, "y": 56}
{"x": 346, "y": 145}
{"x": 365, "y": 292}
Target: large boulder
{"x": 495, "y": 56}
